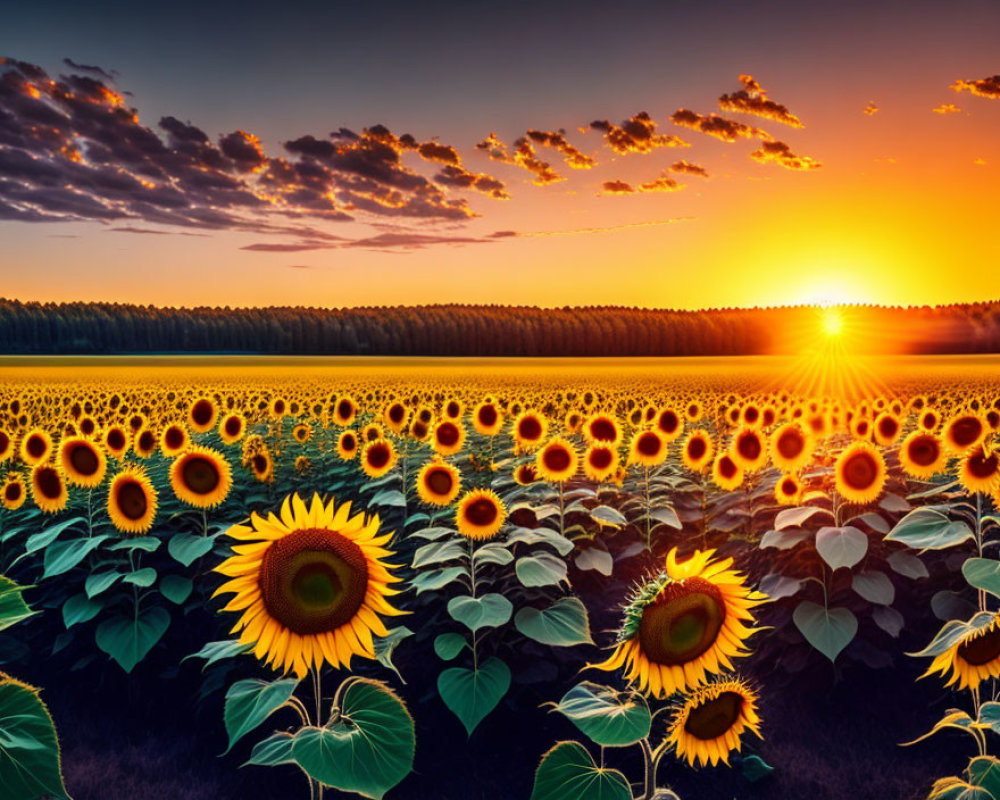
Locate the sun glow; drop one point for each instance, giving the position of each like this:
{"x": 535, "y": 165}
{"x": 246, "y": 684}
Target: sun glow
{"x": 832, "y": 322}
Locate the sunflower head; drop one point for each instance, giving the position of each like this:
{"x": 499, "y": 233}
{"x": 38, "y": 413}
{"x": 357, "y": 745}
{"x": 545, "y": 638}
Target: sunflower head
{"x": 36, "y": 447}
{"x": 378, "y": 457}
{"x": 48, "y": 488}
{"x": 438, "y": 483}
{"x": 201, "y": 477}
{"x": 963, "y": 431}
{"x": 310, "y": 583}
{"x": 600, "y": 462}
{"x": 132, "y": 501}
{"x": 13, "y": 492}
{"x": 788, "y": 490}
{"x": 791, "y": 447}
{"x": 683, "y": 623}
{"x": 749, "y": 449}
{"x": 557, "y": 461}
{"x": 860, "y": 473}
{"x": 698, "y": 450}
{"x": 602, "y": 428}
{"x": 726, "y": 473}
{"x": 82, "y": 461}
{"x": 232, "y": 427}
{"x": 347, "y": 445}
{"x": 202, "y": 414}
{"x": 174, "y": 439}
{"x": 648, "y": 448}
{"x": 529, "y": 431}
{"x": 708, "y": 724}
{"x": 921, "y": 454}
{"x": 447, "y": 437}
{"x": 979, "y": 469}
{"x": 970, "y": 651}
{"x": 525, "y": 474}
{"x": 480, "y": 514}
{"x": 487, "y": 418}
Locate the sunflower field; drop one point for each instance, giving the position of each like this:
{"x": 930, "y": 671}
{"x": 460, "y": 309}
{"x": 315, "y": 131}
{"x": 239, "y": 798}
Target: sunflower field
{"x": 468, "y": 584}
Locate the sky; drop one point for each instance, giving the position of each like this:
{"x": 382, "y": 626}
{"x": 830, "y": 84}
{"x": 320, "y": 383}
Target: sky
{"x": 657, "y": 154}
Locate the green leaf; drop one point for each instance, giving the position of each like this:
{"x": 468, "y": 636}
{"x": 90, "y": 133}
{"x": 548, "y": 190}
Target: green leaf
{"x": 250, "y": 702}
{"x": 606, "y": 515}
{"x": 777, "y": 586}
{"x": 786, "y": 539}
{"x": 794, "y": 517}
{"x": 888, "y": 619}
{"x": 984, "y": 772}
{"x": 568, "y": 772}
{"x": 953, "y": 632}
{"x": 141, "y": 577}
{"x": 595, "y": 558}
{"x": 129, "y": 639}
{"x": 13, "y": 609}
{"x": 541, "y": 569}
{"x": 389, "y": 497}
{"x": 956, "y": 789}
{"x": 176, "y": 588}
{"x": 45, "y": 538}
{"x": 907, "y": 565}
{"x": 386, "y": 645}
{"x": 983, "y": 573}
{"x": 928, "y": 528}
{"x": 438, "y": 552}
{"x": 187, "y": 548}
{"x": 148, "y": 544}
{"x": 367, "y": 746}
{"x": 29, "y": 750}
{"x": 216, "y": 651}
{"x": 562, "y": 624}
{"x": 667, "y": 516}
{"x": 533, "y": 536}
{"x": 488, "y": 611}
{"x": 874, "y": 586}
{"x": 754, "y": 768}
{"x": 493, "y": 553}
{"x": 827, "y": 630}
{"x": 61, "y": 557}
{"x": 449, "y": 645}
{"x": 274, "y": 750}
{"x": 472, "y": 694}
{"x": 80, "y": 608}
{"x": 437, "y": 579}
{"x": 605, "y": 716}
{"x": 953, "y": 719}
{"x": 99, "y": 582}
{"x": 841, "y": 547}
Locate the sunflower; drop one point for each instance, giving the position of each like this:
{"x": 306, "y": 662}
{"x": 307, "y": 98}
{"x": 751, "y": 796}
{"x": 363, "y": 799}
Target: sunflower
{"x": 13, "y": 492}
{"x": 693, "y": 411}
{"x": 345, "y": 411}
{"x": 36, "y": 447}
{"x": 174, "y": 439}
{"x": 6, "y": 446}
{"x": 525, "y": 474}
{"x": 311, "y": 585}
{"x": 82, "y": 461}
{"x": 979, "y": 469}
{"x": 48, "y": 489}
{"x": 132, "y": 501}
{"x": 202, "y": 414}
{"x": 557, "y": 461}
{"x": 921, "y": 454}
{"x": 861, "y": 428}
{"x": 970, "y": 650}
{"x": 750, "y": 415}
{"x": 749, "y": 449}
{"x": 726, "y": 473}
{"x": 301, "y": 433}
{"x": 709, "y": 722}
{"x": 684, "y": 623}
{"x": 929, "y": 420}
{"x": 600, "y": 462}
{"x": 447, "y": 437}
{"x": 697, "y": 450}
{"x": 963, "y": 431}
{"x": 529, "y": 431}
{"x": 453, "y": 409}
{"x": 573, "y": 421}
{"x": 886, "y": 428}
{"x": 396, "y": 415}
{"x": 648, "y": 448}
{"x": 262, "y": 465}
{"x": 144, "y": 442}
{"x": 347, "y": 445}
{"x": 480, "y": 514}
{"x": 487, "y": 418}
{"x": 116, "y": 440}
{"x": 438, "y": 483}
{"x": 232, "y": 427}
{"x": 201, "y": 477}
{"x": 791, "y": 447}
{"x": 602, "y": 428}
{"x": 859, "y": 473}
{"x": 378, "y": 457}
{"x": 788, "y": 490}
{"x": 87, "y": 425}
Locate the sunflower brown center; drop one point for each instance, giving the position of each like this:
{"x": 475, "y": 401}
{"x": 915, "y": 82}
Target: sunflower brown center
{"x": 966, "y": 431}
{"x": 788, "y": 487}
{"x": 174, "y": 437}
{"x": 669, "y": 421}
{"x": 378, "y": 455}
{"x": 4, "y": 442}
{"x": 396, "y": 413}
{"x": 888, "y": 427}
{"x": 453, "y": 409}
{"x": 313, "y": 581}
{"x": 116, "y": 439}
{"x": 529, "y": 428}
{"x": 749, "y": 446}
{"x": 200, "y": 475}
{"x": 983, "y": 466}
{"x": 259, "y": 464}
{"x": 201, "y": 412}
{"x": 600, "y": 458}
{"x": 683, "y": 622}
{"x": 713, "y": 718}
{"x": 345, "y": 409}
{"x": 447, "y": 434}
{"x": 147, "y": 441}
{"x": 439, "y": 481}
{"x": 487, "y": 416}
{"x": 481, "y": 512}
{"x": 348, "y": 443}
{"x": 696, "y": 448}
{"x": 48, "y": 483}
{"x": 923, "y": 450}
{"x": 982, "y": 649}
{"x": 12, "y": 492}
{"x": 648, "y": 444}
{"x": 557, "y": 458}
{"x": 35, "y": 446}
{"x": 233, "y": 426}
{"x": 790, "y": 444}
{"x": 860, "y": 470}
{"x": 603, "y": 430}
{"x": 727, "y": 468}
{"x": 131, "y": 500}
{"x": 84, "y": 459}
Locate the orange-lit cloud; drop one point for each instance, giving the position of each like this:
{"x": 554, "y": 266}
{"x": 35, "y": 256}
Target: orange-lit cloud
{"x": 985, "y": 87}
{"x": 635, "y": 135}
{"x": 662, "y": 184}
{"x": 523, "y": 156}
{"x": 753, "y": 99}
{"x": 780, "y": 153}
{"x": 557, "y": 140}
{"x": 728, "y": 130}
{"x": 687, "y": 168}
{"x": 452, "y": 175}
{"x": 946, "y": 108}
{"x": 870, "y": 110}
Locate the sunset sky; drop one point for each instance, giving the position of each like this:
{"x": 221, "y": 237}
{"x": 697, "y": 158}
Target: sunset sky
{"x": 325, "y": 154}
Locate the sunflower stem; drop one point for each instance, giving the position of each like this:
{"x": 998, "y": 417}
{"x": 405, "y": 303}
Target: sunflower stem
{"x": 649, "y": 775}
{"x": 472, "y": 584}
{"x": 649, "y": 509}
{"x": 979, "y": 545}
{"x": 562, "y": 511}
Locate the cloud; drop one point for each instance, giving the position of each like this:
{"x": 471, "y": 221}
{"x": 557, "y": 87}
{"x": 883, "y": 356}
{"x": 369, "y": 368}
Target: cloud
{"x": 946, "y": 108}
{"x": 635, "y": 135}
{"x": 459, "y": 176}
{"x": 557, "y": 140}
{"x": 781, "y": 154}
{"x": 299, "y": 266}
{"x": 870, "y": 110}
{"x": 687, "y": 168}
{"x": 728, "y": 130}
{"x": 985, "y": 87}
{"x": 753, "y": 99}
{"x": 662, "y": 184}
{"x": 523, "y": 156}
{"x": 586, "y": 231}
{"x": 152, "y": 232}
{"x": 979, "y": 162}
{"x": 617, "y": 187}
{"x": 100, "y": 73}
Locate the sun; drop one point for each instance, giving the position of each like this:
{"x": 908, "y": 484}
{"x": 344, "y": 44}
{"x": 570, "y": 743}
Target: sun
{"x": 832, "y": 322}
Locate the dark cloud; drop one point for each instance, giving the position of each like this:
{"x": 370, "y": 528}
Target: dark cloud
{"x": 461, "y": 177}
{"x": 635, "y": 135}
{"x": 100, "y": 73}
{"x": 617, "y": 187}
{"x": 985, "y": 87}
{"x": 781, "y": 154}
{"x": 728, "y": 130}
{"x": 687, "y": 168}
{"x": 439, "y": 153}
{"x": 664, "y": 183}
{"x": 523, "y": 155}
{"x": 244, "y": 150}
{"x": 557, "y": 140}
{"x": 753, "y": 99}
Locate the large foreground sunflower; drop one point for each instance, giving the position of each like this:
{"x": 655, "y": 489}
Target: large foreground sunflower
{"x": 684, "y": 623}
{"x": 311, "y": 585}
{"x": 708, "y": 725}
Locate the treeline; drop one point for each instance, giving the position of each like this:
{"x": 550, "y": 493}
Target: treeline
{"x": 470, "y": 330}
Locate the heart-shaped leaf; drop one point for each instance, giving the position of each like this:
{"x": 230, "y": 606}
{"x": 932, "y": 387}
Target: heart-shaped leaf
{"x": 29, "y": 751}
{"x": 488, "y": 611}
{"x": 61, "y": 557}
{"x": 568, "y": 772}
{"x": 562, "y": 624}
{"x": 827, "y": 630}
{"x": 541, "y": 569}
{"x": 128, "y": 639}
{"x": 187, "y": 548}
{"x": 929, "y": 528}
{"x": 176, "y": 588}
{"x": 607, "y": 717}
{"x": 841, "y": 547}
{"x": 472, "y": 694}
{"x": 250, "y": 702}
{"x": 983, "y": 573}
{"x": 874, "y": 586}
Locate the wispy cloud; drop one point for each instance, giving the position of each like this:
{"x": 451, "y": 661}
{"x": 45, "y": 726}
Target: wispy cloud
{"x": 753, "y": 99}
